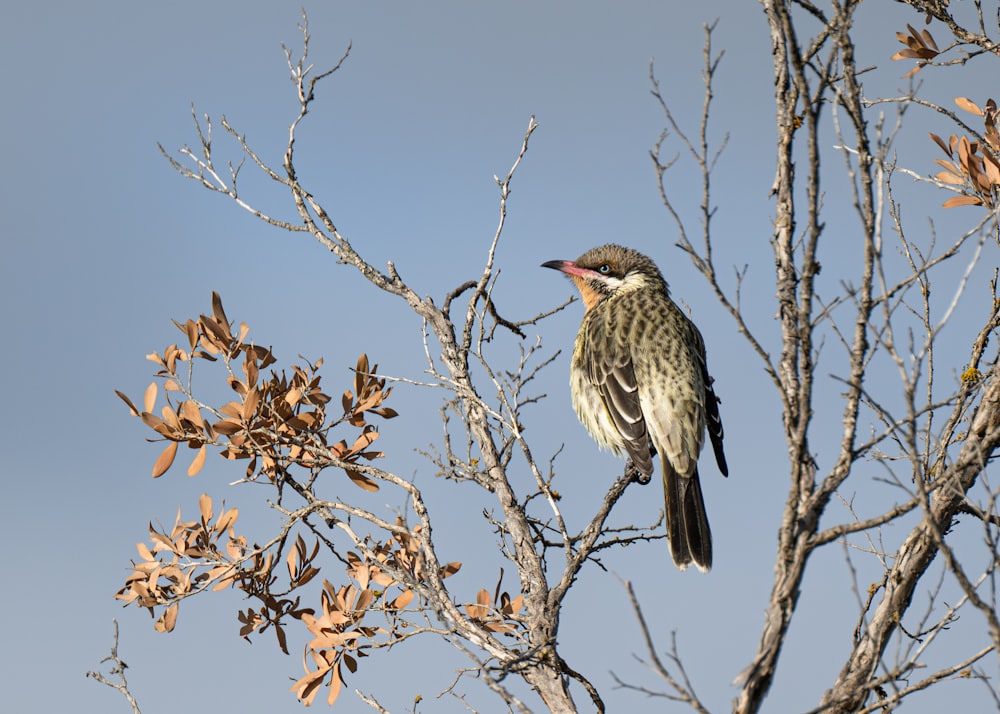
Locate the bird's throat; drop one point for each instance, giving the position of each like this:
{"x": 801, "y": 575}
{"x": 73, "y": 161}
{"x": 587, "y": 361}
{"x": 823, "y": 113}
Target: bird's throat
{"x": 590, "y": 296}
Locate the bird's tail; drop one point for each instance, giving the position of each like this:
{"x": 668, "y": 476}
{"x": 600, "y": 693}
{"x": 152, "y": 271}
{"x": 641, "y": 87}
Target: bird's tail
{"x": 687, "y": 523}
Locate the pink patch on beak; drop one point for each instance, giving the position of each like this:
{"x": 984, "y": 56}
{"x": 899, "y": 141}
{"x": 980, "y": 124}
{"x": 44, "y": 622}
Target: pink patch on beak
{"x": 568, "y": 267}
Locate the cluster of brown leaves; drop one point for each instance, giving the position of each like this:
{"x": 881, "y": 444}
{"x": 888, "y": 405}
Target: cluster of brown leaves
{"x": 278, "y": 422}
{"x": 502, "y": 618}
{"x": 186, "y": 559}
{"x": 340, "y": 636}
{"x": 189, "y": 559}
{"x": 919, "y": 46}
{"x": 274, "y": 422}
{"x": 971, "y": 165}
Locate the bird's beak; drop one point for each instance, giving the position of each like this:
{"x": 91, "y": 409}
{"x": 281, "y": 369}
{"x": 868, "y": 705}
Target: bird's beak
{"x": 565, "y": 266}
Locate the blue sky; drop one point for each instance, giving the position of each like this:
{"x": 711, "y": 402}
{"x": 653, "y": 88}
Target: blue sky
{"x": 105, "y": 244}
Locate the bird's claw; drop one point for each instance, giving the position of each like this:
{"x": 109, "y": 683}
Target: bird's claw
{"x": 635, "y": 474}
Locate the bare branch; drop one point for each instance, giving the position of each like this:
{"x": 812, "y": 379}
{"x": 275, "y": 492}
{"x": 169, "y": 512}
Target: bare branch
{"x": 116, "y": 678}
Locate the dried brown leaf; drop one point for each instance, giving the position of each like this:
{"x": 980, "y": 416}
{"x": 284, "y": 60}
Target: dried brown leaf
{"x": 948, "y": 166}
{"x": 993, "y": 139}
{"x": 514, "y": 606}
{"x": 217, "y": 310}
{"x": 232, "y": 409}
{"x": 362, "y": 481}
{"x": 981, "y": 180}
{"x": 950, "y": 178}
{"x": 216, "y": 334}
{"x": 250, "y": 367}
{"x": 250, "y": 621}
{"x": 940, "y": 142}
{"x": 131, "y": 406}
{"x": 205, "y": 507}
{"x": 364, "y": 441}
{"x": 476, "y": 612}
{"x": 921, "y": 54}
{"x": 199, "y": 461}
{"x": 364, "y": 600}
{"x": 144, "y": 552}
{"x": 928, "y": 40}
{"x": 191, "y": 330}
{"x": 361, "y": 374}
{"x": 149, "y": 398}
{"x": 968, "y": 106}
{"x": 165, "y": 460}
{"x": 292, "y": 559}
{"x": 305, "y": 420}
{"x": 992, "y": 171}
{"x": 336, "y": 685}
{"x": 265, "y": 356}
{"x": 168, "y": 620}
{"x": 962, "y": 201}
{"x": 306, "y": 575}
{"x": 227, "y": 519}
{"x": 191, "y": 412}
{"x": 171, "y": 420}
{"x": 307, "y": 687}
{"x": 403, "y": 600}
{"x": 250, "y": 405}
{"x": 279, "y": 633}
{"x": 965, "y": 151}
{"x": 223, "y": 582}
{"x": 227, "y": 427}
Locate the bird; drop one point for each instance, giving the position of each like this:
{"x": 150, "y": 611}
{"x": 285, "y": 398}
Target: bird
{"x": 640, "y": 385}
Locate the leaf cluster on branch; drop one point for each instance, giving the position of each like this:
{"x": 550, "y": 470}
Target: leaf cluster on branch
{"x": 972, "y": 166}
{"x": 280, "y": 424}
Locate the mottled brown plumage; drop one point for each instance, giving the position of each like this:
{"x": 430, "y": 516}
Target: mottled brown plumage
{"x": 640, "y": 385}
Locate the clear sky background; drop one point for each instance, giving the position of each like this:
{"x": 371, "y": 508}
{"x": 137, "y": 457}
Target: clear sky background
{"x": 104, "y": 244}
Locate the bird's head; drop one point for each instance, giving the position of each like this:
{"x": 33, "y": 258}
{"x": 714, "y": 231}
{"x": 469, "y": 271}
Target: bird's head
{"x": 609, "y": 270}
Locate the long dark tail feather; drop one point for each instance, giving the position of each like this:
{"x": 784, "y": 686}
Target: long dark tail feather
{"x": 687, "y": 523}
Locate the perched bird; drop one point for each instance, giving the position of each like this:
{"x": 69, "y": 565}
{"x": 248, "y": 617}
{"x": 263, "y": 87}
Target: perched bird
{"x": 640, "y": 385}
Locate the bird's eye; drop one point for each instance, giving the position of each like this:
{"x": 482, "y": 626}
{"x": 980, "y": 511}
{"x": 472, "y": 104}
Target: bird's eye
{"x": 605, "y": 269}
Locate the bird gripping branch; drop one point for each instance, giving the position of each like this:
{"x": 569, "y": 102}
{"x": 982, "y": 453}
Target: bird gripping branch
{"x": 641, "y": 387}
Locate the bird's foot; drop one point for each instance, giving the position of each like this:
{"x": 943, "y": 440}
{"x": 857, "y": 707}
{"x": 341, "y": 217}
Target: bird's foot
{"x": 635, "y": 474}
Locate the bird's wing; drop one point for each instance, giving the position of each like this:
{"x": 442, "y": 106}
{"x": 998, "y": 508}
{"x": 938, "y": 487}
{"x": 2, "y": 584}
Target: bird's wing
{"x": 714, "y": 422}
{"x": 608, "y": 362}
{"x": 672, "y": 389}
